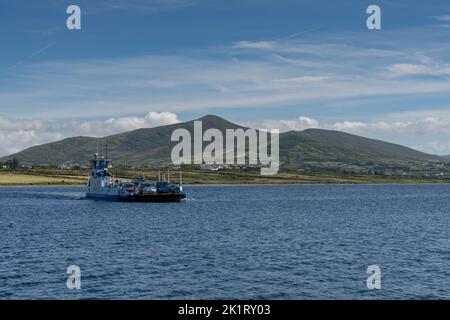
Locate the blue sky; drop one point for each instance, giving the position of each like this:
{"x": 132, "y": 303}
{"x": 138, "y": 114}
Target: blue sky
{"x": 278, "y": 64}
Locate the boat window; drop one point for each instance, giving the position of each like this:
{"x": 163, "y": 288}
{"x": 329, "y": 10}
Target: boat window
{"x": 162, "y": 184}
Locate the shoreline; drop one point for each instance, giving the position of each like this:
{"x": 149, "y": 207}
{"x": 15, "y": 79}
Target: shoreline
{"x": 198, "y": 178}
{"x": 243, "y": 184}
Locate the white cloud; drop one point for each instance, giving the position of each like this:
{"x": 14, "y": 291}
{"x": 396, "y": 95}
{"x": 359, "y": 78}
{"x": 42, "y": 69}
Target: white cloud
{"x": 443, "y": 18}
{"x": 17, "y": 135}
{"x": 266, "y": 45}
{"x": 421, "y": 126}
{"x": 434, "y": 147}
{"x": 430, "y": 127}
{"x": 152, "y": 119}
{"x": 301, "y": 80}
{"x": 301, "y": 123}
{"x": 246, "y": 74}
{"x": 407, "y": 69}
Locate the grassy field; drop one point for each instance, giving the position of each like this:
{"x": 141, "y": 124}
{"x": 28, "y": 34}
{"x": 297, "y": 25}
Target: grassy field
{"x": 69, "y": 177}
{"x": 14, "y": 179}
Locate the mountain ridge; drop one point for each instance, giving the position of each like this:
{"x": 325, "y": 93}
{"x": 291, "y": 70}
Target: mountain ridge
{"x": 147, "y": 146}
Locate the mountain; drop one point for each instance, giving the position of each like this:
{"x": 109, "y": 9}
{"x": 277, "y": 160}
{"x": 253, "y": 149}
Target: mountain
{"x": 319, "y": 144}
{"x": 311, "y": 147}
{"x": 142, "y": 146}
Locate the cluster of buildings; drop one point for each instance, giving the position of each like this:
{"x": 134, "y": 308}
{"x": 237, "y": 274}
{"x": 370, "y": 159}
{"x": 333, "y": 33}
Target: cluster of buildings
{"x": 72, "y": 166}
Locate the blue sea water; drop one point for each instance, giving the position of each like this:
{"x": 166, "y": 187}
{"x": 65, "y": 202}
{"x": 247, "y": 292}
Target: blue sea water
{"x": 228, "y": 242}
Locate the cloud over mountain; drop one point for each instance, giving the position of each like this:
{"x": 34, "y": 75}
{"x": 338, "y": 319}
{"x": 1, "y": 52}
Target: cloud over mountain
{"x": 17, "y": 135}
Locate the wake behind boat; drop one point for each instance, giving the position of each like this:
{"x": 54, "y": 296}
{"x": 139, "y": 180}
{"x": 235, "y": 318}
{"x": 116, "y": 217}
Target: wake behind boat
{"x": 102, "y": 186}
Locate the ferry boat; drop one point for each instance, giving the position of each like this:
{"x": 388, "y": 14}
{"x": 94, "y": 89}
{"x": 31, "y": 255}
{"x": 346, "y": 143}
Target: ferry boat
{"x": 103, "y": 186}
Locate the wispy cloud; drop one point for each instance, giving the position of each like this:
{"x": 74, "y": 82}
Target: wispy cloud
{"x": 267, "y": 45}
{"x": 32, "y": 55}
{"x": 147, "y": 5}
{"x": 445, "y": 18}
{"x": 297, "y": 73}
{"x": 275, "y": 44}
{"x": 102, "y": 6}
{"x": 408, "y": 69}
{"x": 298, "y": 124}
{"x": 279, "y": 75}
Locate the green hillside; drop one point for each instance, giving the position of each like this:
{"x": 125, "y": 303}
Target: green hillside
{"x": 312, "y": 149}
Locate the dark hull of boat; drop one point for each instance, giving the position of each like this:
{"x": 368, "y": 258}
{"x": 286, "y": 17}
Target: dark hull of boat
{"x": 162, "y": 197}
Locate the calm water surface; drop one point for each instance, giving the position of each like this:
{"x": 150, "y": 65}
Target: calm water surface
{"x": 241, "y": 242}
